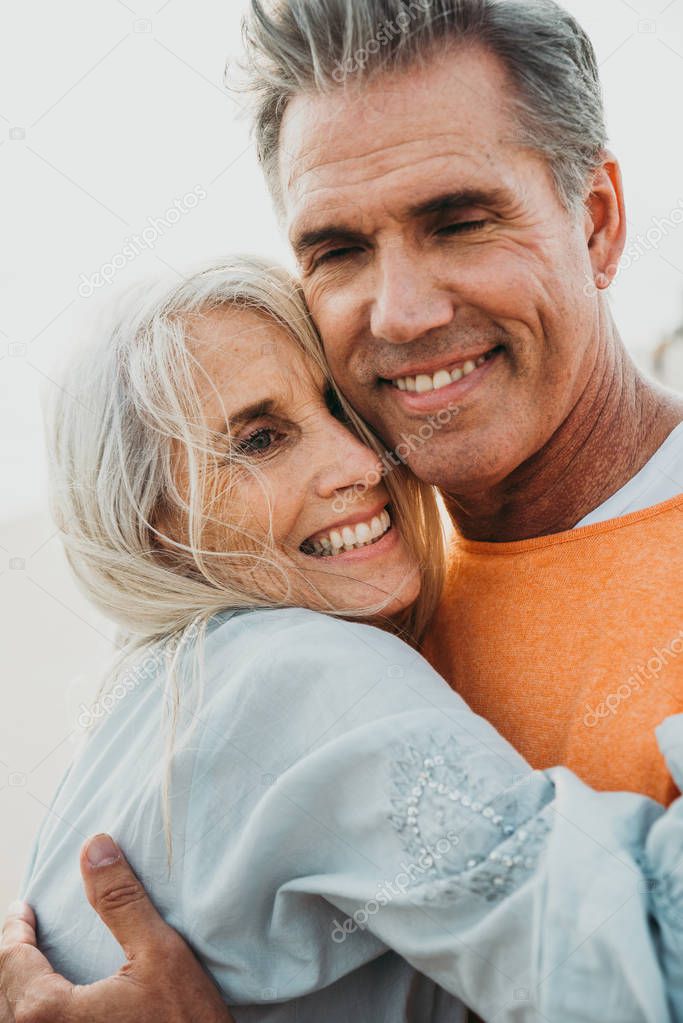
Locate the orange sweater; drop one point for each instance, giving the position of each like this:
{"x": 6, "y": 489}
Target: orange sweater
{"x": 572, "y": 645}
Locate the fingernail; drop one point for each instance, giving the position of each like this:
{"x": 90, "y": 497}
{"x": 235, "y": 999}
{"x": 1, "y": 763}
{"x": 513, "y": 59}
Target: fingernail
{"x": 102, "y": 851}
{"x": 16, "y": 908}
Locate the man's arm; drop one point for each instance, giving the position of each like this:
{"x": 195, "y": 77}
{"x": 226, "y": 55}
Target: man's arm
{"x": 162, "y": 982}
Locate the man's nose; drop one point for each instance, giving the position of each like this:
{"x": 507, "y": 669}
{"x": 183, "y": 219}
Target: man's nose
{"x": 408, "y": 302}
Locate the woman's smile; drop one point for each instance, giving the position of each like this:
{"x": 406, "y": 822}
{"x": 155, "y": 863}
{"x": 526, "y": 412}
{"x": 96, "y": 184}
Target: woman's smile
{"x": 366, "y": 530}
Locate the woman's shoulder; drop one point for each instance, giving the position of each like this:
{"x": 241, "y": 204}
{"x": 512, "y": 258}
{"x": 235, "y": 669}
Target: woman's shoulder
{"x": 267, "y": 637}
{"x": 269, "y": 667}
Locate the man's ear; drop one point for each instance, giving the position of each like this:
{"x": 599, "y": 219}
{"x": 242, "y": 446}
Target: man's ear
{"x": 605, "y": 220}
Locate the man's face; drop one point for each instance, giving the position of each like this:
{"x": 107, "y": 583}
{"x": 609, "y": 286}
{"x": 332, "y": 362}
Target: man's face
{"x": 445, "y": 276}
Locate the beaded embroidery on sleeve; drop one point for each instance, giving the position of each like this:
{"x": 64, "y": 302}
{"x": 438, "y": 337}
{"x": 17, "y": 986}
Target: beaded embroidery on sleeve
{"x": 462, "y": 823}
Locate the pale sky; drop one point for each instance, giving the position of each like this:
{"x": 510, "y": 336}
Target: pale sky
{"x": 111, "y": 111}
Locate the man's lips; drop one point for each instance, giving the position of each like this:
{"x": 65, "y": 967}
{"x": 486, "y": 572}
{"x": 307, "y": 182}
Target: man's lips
{"x": 446, "y": 387}
{"x": 431, "y": 375}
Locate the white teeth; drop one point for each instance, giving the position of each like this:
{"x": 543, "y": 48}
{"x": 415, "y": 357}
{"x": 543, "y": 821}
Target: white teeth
{"x": 424, "y": 383}
{"x": 351, "y": 538}
{"x": 363, "y": 532}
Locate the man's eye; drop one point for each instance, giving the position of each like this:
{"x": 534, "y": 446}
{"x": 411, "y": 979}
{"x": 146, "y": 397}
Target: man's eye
{"x": 333, "y": 255}
{"x": 258, "y": 442}
{"x": 463, "y": 227}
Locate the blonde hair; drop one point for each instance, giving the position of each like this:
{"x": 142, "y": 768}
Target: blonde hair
{"x": 129, "y": 405}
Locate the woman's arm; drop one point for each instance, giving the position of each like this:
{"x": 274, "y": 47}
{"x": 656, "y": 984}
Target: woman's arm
{"x": 403, "y": 821}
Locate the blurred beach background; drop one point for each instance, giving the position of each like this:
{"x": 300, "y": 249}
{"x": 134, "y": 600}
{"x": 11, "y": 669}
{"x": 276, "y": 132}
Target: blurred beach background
{"x": 111, "y": 115}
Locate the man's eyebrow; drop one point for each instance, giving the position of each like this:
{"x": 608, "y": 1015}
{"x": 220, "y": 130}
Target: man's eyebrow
{"x": 447, "y": 202}
{"x": 451, "y": 202}
{"x": 309, "y": 239}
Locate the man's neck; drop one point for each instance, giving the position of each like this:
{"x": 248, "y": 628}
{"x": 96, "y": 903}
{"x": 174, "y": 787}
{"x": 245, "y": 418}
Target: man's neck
{"x": 612, "y": 432}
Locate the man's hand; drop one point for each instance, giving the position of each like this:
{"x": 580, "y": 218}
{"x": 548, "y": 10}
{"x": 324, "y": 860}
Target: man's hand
{"x": 162, "y": 982}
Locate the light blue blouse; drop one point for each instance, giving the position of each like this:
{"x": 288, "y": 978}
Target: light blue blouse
{"x": 351, "y": 842}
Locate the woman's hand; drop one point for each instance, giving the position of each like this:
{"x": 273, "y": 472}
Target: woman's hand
{"x": 162, "y": 982}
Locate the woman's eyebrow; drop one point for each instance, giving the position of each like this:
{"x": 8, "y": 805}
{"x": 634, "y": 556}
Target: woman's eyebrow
{"x": 249, "y": 412}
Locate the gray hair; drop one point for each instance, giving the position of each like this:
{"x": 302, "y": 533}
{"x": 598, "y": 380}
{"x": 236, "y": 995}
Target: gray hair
{"x": 308, "y": 46}
{"x": 131, "y": 407}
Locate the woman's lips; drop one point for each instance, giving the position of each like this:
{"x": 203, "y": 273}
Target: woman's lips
{"x": 349, "y": 537}
{"x": 380, "y": 548}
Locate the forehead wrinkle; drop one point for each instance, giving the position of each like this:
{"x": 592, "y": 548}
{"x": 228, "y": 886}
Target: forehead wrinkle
{"x": 214, "y": 341}
{"x": 289, "y": 382}
{"x": 394, "y": 97}
{"x": 385, "y": 161}
{"x": 228, "y": 376}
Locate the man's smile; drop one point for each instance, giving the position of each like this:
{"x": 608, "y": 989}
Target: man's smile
{"x": 425, "y": 388}
{"x": 425, "y": 378}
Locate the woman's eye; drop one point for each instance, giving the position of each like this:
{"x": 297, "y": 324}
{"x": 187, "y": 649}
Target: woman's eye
{"x": 257, "y": 442}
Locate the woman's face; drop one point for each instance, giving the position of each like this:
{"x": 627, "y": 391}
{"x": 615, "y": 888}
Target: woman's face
{"x": 278, "y": 404}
